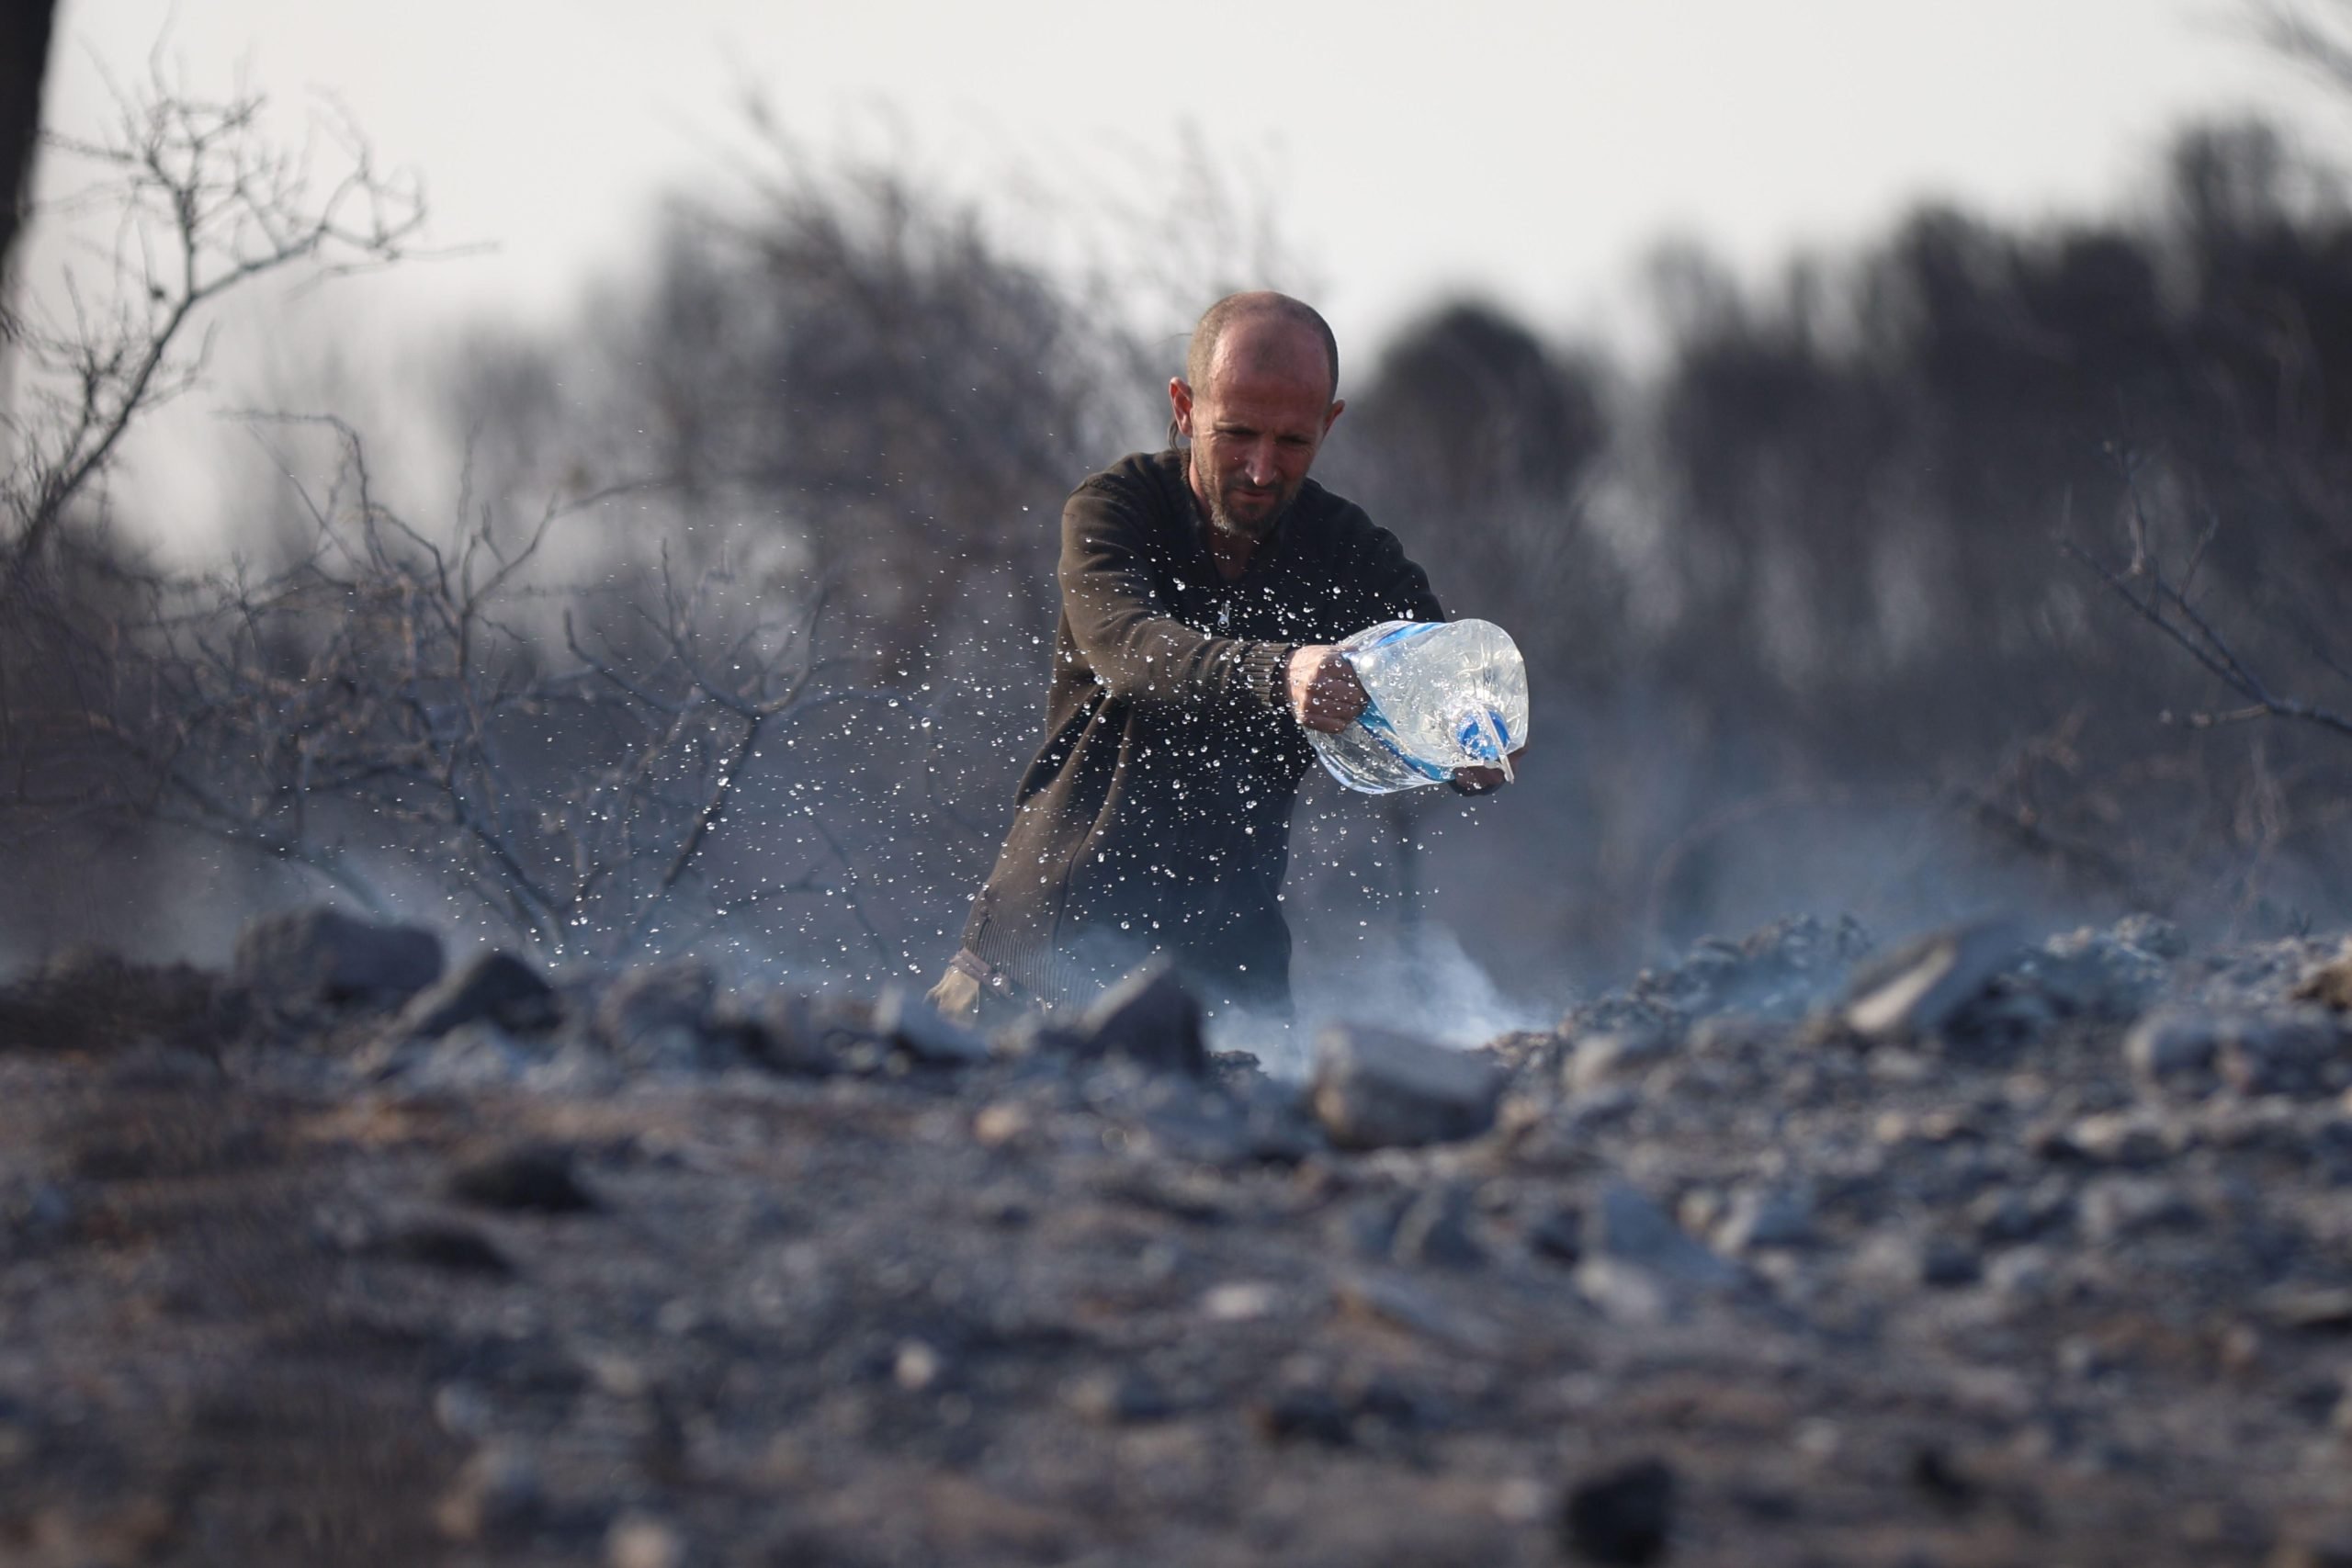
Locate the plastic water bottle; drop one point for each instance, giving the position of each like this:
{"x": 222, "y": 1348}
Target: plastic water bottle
{"x": 1445, "y": 695}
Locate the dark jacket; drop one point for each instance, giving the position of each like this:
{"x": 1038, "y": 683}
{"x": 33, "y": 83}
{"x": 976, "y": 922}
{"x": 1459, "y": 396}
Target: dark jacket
{"x": 1157, "y": 815}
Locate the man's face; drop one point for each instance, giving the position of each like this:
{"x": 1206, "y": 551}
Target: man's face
{"x": 1256, "y": 422}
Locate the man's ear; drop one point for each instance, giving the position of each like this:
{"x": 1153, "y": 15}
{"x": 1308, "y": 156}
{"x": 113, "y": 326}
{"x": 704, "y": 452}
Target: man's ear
{"x": 1339, "y": 407}
{"x": 1179, "y": 399}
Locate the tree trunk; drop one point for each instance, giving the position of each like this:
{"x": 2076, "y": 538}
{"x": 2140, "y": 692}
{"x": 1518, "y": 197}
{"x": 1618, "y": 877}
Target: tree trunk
{"x": 25, "y": 28}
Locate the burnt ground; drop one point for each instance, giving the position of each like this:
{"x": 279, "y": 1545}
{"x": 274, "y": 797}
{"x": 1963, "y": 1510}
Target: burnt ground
{"x": 2054, "y": 1268}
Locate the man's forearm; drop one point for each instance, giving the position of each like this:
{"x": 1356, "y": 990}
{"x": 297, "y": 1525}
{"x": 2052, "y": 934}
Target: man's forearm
{"x": 1132, "y": 639}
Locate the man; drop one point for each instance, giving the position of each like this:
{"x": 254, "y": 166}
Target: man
{"x": 1201, "y": 590}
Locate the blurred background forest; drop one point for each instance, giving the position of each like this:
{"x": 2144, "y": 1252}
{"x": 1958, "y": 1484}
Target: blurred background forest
{"x": 1984, "y": 564}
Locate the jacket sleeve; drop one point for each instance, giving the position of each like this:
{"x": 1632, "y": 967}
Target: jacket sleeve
{"x": 1385, "y": 583}
{"x": 1131, "y": 638}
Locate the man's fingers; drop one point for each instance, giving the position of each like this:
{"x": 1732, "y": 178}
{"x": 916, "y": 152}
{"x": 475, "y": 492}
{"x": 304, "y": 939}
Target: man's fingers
{"x": 1336, "y": 698}
{"x": 1324, "y": 691}
{"x": 1306, "y": 671}
{"x": 1477, "y": 781}
{"x": 1347, "y": 696}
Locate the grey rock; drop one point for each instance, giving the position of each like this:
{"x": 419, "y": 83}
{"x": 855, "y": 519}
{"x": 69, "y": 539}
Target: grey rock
{"x": 2330, "y": 1550}
{"x": 656, "y": 998}
{"x": 1732, "y": 1036}
{"x": 1436, "y": 1229}
{"x": 495, "y": 987}
{"x": 1766, "y": 1217}
{"x": 1586, "y": 1113}
{"x": 2087, "y": 1360}
{"x": 87, "y": 998}
{"x": 462, "y": 1409}
{"x": 1387, "y": 1298}
{"x": 1001, "y": 1209}
{"x": 1302, "y": 1412}
{"x": 1374, "y": 1089}
{"x": 1937, "y": 1475}
{"x": 498, "y": 1496}
{"x": 1921, "y": 991}
{"x": 1276, "y": 1126}
{"x": 919, "y": 1365}
{"x": 1774, "y": 973}
{"x": 2329, "y": 1149}
{"x": 909, "y": 1023}
{"x": 2251, "y": 979}
{"x": 2135, "y": 1139}
{"x": 2151, "y": 934}
{"x": 534, "y": 1177}
{"x": 574, "y": 1065}
{"x": 1150, "y": 1019}
{"x": 1378, "y": 1400}
{"x": 471, "y": 1056}
{"x": 1036, "y": 1034}
{"x": 2026, "y": 1275}
{"x": 2007, "y": 1216}
{"x": 1260, "y": 1121}
{"x": 1559, "y": 1234}
{"x": 1945, "y": 1262}
{"x": 1600, "y": 1059}
{"x": 438, "y": 1243}
{"x": 1621, "y": 1516}
{"x": 2292, "y": 1051}
{"x": 1630, "y": 1228}
{"x": 2007, "y": 1013}
{"x": 1118, "y": 1397}
{"x": 1205, "y": 1132}
{"x": 2297, "y": 1050}
{"x": 640, "y": 1540}
{"x": 2329, "y": 983}
{"x": 325, "y": 955}
{"x": 1368, "y": 1228}
{"x": 2175, "y": 1048}
{"x": 1627, "y": 1293}
{"x": 2120, "y": 1207}
{"x": 42, "y": 1215}
{"x": 779, "y": 1031}
{"x": 673, "y": 1050}
{"x": 1236, "y": 1070}
{"x": 2104, "y": 975}
{"x": 2307, "y": 1309}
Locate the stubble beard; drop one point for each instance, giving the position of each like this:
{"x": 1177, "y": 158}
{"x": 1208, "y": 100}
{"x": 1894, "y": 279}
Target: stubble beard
{"x": 1223, "y": 521}
{"x": 1255, "y": 533}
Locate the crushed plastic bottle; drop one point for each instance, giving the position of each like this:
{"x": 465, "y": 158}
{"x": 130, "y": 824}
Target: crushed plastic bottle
{"x": 1445, "y": 695}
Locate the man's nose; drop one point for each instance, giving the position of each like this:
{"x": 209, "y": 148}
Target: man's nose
{"x": 1260, "y": 464}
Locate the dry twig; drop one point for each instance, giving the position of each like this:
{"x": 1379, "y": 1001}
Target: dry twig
{"x": 2169, "y": 605}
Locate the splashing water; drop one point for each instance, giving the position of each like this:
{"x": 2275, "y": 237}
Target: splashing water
{"x": 1444, "y": 695}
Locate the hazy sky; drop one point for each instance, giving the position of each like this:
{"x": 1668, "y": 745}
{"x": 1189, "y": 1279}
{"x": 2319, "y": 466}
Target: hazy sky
{"x": 1532, "y": 151}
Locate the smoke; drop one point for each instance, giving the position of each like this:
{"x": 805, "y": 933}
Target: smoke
{"x": 1419, "y": 979}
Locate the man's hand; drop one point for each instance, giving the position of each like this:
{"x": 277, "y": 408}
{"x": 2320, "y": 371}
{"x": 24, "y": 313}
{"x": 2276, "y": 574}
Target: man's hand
{"x": 1478, "y": 780}
{"x": 1324, "y": 692}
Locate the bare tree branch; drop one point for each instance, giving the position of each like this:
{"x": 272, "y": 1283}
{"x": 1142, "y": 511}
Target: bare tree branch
{"x": 207, "y": 206}
{"x": 2168, "y": 605}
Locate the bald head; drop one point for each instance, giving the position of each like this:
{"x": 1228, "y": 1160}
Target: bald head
{"x": 1267, "y": 332}
{"x": 1256, "y": 401}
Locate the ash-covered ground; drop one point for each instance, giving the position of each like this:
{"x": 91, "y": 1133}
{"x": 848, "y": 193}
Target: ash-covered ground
{"x": 1984, "y": 1251}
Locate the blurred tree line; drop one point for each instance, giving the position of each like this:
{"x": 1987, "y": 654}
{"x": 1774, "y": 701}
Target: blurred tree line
{"x": 1798, "y": 595}
{"x": 1801, "y": 628}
